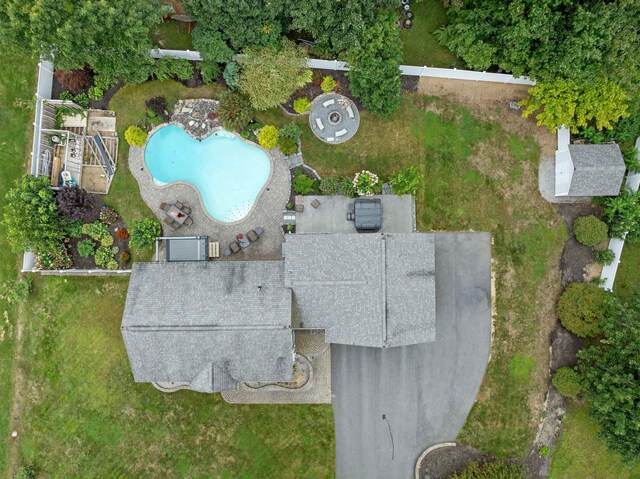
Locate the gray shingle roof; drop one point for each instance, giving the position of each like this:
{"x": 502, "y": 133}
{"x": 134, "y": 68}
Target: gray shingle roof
{"x": 209, "y": 324}
{"x": 598, "y": 170}
{"x": 363, "y": 289}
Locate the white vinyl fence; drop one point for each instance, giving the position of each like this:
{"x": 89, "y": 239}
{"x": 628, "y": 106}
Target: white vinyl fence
{"x": 616, "y": 244}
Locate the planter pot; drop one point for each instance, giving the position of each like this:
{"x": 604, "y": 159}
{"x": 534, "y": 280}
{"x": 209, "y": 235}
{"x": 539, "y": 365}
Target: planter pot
{"x": 409, "y": 14}
{"x": 407, "y": 23}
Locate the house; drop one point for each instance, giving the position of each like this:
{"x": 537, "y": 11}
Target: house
{"x": 210, "y": 325}
{"x": 588, "y": 170}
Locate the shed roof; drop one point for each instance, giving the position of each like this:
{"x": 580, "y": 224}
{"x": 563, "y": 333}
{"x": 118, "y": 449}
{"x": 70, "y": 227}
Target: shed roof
{"x": 209, "y": 324}
{"x": 363, "y": 289}
{"x": 598, "y": 170}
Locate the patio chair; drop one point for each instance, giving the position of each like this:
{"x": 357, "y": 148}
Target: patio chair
{"x": 259, "y": 231}
{"x": 172, "y": 223}
{"x": 253, "y": 236}
{"x": 179, "y": 205}
{"x": 188, "y": 222}
{"x": 186, "y": 210}
{"x": 164, "y": 206}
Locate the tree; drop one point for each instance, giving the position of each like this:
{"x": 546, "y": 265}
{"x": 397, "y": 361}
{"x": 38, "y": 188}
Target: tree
{"x": 580, "y": 40}
{"x": 269, "y": 76}
{"x": 337, "y": 25}
{"x": 235, "y": 111}
{"x": 224, "y": 28}
{"x": 31, "y": 218}
{"x": 375, "y": 74}
{"x": 575, "y": 105}
{"x": 622, "y": 213}
{"x": 610, "y": 372}
{"x": 111, "y": 37}
{"x": 73, "y": 203}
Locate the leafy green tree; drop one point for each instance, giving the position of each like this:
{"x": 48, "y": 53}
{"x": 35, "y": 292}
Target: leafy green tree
{"x": 338, "y": 25}
{"x": 224, "y": 28}
{"x": 110, "y": 36}
{"x": 375, "y": 74}
{"x": 31, "y": 218}
{"x": 269, "y": 76}
{"x": 576, "y": 105}
{"x": 235, "y": 111}
{"x": 610, "y": 372}
{"x": 622, "y": 213}
{"x": 579, "y": 40}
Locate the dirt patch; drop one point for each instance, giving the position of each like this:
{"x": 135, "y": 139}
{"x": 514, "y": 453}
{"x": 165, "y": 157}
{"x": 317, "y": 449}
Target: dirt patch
{"x": 576, "y": 258}
{"x": 490, "y": 101}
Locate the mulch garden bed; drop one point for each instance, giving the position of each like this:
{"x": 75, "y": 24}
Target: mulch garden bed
{"x": 93, "y": 215}
{"x": 312, "y": 89}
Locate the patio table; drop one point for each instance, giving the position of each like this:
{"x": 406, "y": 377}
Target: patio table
{"x": 177, "y": 214}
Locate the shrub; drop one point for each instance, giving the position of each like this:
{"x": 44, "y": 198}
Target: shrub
{"x": 364, "y": 183}
{"x": 95, "y": 93}
{"x": 158, "y": 105}
{"x": 15, "y": 290}
{"x": 107, "y": 241}
{"x": 492, "y": 470}
{"x": 86, "y": 248}
{"x": 144, "y": 233}
{"x": 135, "y": 135}
{"x": 544, "y": 451}
{"x": 290, "y": 130}
{"x": 407, "y": 181}
{"x": 235, "y": 111}
{"x": 57, "y": 259}
{"x": 567, "y": 382}
{"x": 103, "y": 256}
{"x": 82, "y": 99}
{"x": 96, "y": 230}
{"x": 210, "y": 71}
{"x": 301, "y": 105}
{"x": 73, "y": 229}
{"x": 331, "y": 185}
{"x": 288, "y": 146}
{"x": 107, "y": 215}
{"x": 231, "y": 75}
{"x": 122, "y": 234}
{"x": 347, "y": 188}
{"x": 26, "y": 472}
{"x": 580, "y": 308}
{"x": 112, "y": 264}
{"x": 622, "y": 213}
{"x": 66, "y": 96}
{"x": 605, "y": 257}
{"x": 268, "y": 137}
{"x": 73, "y": 202}
{"x": 590, "y": 231}
{"x": 124, "y": 257}
{"x": 167, "y": 67}
{"x": 31, "y": 220}
{"x": 74, "y": 80}
{"x": 328, "y": 84}
{"x": 302, "y": 184}
{"x": 269, "y": 76}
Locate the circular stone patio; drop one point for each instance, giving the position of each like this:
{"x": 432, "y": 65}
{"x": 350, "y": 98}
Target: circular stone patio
{"x": 334, "y": 118}
{"x": 266, "y": 212}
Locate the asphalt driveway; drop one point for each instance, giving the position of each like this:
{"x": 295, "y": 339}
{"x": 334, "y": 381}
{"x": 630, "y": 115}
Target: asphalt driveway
{"x": 391, "y": 404}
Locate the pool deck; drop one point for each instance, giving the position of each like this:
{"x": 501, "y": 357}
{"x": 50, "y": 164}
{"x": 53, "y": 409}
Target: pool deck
{"x": 266, "y": 212}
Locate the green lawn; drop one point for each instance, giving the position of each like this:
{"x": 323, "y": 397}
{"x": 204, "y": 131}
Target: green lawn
{"x": 477, "y": 177}
{"x": 420, "y": 46}
{"x": 581, "y": 454}
{"x": 17, "y": 82}
{"x": 173, "y": 35}
{"x": 628, "y": 276}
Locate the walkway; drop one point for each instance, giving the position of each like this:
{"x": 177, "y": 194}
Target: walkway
{"x": 266, "y": 213}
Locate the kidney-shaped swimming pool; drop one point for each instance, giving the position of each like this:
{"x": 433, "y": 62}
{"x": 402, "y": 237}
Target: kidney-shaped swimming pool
{"x": 228, "y": 172}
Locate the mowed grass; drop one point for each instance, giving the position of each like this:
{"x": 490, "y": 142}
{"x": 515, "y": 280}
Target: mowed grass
{"x": 628, "y": 275}
{"x": 581, "y": 454}
{"x": 173, "y": 35}
{"x": 17, "y": 82}
{"x": 477, "y": 177}
{"x": 85, "y": 417}
{"x": 420, "y": 47}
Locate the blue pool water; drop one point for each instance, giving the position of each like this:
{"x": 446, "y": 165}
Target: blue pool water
{"x": 228, "y": 172}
